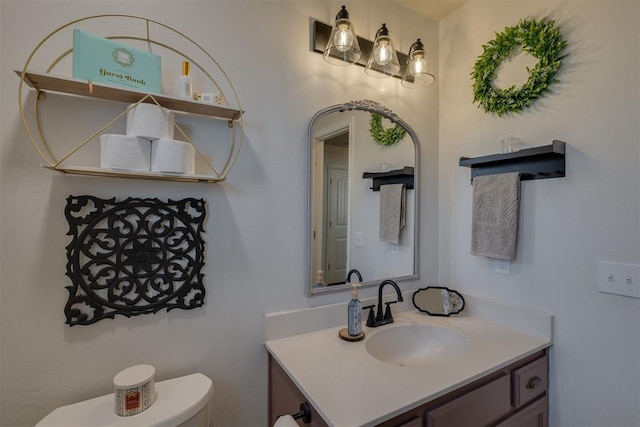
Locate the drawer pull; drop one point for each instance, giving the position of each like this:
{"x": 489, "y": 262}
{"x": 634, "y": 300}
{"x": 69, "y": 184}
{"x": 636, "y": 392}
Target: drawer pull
{"x": 533, "y": 382}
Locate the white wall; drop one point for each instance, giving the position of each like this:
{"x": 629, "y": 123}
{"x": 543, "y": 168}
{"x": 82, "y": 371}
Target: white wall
{"x": 255, "y": 230}
{"x": 567, "y": 224}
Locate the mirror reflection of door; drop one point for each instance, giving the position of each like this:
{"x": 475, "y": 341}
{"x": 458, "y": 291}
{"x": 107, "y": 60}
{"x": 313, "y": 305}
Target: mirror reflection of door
{"x": 336, "y": 215}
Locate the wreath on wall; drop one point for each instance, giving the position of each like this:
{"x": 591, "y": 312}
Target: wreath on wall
{"x": 386, "y": 137}
{"x": 542, "y": 40}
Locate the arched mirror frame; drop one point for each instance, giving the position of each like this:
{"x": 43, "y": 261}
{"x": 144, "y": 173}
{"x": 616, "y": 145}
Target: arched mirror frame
{"x": 372, "y": 107}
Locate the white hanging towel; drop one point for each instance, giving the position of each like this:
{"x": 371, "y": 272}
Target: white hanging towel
{"x": 392, "y": 212}
{"x": 496, "y": 204}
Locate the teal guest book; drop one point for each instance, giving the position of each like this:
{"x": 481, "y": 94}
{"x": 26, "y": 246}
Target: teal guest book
{"x": 102, "y": 60}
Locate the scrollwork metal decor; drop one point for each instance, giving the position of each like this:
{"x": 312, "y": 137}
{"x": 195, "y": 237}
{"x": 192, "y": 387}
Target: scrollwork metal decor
{"x": 133, "y": 257}
{"x": 370, "y": 106}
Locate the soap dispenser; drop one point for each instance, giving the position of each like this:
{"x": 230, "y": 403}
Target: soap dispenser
{"x": 354, "y": 309}
{"x": 353, "y": 332}
{"x": 319, "y": 279}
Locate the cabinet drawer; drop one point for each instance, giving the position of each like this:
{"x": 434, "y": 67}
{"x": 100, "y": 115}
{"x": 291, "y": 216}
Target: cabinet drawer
{"x": 530, "y": 381}
{"x": 534, "y": 415}
{"x": 476, "y": 408}
{"x": 414, "y": 422}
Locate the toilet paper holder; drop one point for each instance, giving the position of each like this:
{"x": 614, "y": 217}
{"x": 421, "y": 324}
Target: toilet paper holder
{"x": 304, "y": 413}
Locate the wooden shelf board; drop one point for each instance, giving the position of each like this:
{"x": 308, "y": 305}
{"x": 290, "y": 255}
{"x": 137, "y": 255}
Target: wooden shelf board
{"x": 94, "y": 171}
{"x": 44, "y": 82}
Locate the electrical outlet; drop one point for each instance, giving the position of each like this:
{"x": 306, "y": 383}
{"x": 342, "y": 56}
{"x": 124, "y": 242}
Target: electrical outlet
{"x": 502, "y": 267}
{"x": 619, "y": 279}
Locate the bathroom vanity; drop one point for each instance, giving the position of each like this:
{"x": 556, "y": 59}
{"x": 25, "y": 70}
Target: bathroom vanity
{"x": 514, "y": 395}
{"x": 419, "y": 371}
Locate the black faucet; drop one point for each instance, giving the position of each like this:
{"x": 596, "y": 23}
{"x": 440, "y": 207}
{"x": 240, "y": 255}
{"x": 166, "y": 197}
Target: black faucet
{"x": 356, "y": 272}
{"x": 380, "y": 318}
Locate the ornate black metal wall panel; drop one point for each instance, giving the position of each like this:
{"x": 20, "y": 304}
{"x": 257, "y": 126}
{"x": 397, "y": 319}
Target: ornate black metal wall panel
{"x": 133, "y": 257}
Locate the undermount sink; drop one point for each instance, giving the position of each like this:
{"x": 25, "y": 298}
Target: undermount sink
{"x": 416, "y": 345}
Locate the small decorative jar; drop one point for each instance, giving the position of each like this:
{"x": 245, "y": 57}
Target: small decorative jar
{"x": 134, "y": 390}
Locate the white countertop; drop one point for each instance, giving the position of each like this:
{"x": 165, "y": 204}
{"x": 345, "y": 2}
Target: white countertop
{"x": 349, "y": 387}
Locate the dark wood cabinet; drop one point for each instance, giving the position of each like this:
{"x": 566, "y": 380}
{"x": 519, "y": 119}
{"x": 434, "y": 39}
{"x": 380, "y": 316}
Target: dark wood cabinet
{"x": 534, "y": 415}
{"x": 479, "y": 407}
{"x": 512, "y": 396}
{"x": 284, "y": 398}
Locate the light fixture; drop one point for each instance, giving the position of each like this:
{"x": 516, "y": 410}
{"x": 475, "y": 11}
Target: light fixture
{"x": 379, "y": 58}
{"x": 383, "y": 61}
{"x": 416, "y": 73}
{"x": 343, "y": 47}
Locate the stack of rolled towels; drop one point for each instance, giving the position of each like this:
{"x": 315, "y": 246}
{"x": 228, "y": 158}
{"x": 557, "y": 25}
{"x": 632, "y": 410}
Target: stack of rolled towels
{"x": 148, "y": 144}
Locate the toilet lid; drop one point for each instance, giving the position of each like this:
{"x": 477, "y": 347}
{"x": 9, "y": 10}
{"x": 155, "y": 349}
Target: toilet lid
{"x": 177, "y": 400}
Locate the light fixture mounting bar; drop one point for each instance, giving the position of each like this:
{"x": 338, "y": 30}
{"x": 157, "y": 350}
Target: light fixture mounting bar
{"x": 320, "y": 33}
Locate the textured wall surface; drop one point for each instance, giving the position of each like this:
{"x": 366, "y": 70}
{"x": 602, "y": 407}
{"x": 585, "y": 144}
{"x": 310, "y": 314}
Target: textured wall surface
{"x": 566, "y": 224}
{"x": 255, "y": 231}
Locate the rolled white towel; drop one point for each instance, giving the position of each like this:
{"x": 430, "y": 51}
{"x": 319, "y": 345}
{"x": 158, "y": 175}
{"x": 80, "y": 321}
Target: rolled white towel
{"x": 125, "y": 152}
{"x": 150, "y": 122}
{"x": 171, "y": 156}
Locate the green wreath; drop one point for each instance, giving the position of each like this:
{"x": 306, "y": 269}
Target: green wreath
{"x": 542, "y": 40}
{"x": 381, "y": 136}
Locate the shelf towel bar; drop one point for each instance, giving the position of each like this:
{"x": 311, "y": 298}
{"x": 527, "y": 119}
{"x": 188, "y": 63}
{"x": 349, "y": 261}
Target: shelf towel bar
{"x": 542, "y": 162}
{"x": 399, "y": 176}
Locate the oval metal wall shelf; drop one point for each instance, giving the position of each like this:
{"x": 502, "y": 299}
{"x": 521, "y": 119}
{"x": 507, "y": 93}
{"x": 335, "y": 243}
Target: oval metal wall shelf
{"x": 45, "y": 81}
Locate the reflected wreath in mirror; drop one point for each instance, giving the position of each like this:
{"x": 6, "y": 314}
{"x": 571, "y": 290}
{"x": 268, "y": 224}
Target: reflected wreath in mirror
{"x": 382, "y": 136}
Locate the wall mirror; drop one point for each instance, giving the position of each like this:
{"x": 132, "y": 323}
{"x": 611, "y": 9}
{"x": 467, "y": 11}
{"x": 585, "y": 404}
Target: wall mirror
{"x": 344, "y": 205}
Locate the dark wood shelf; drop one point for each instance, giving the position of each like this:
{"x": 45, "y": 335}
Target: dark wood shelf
{"x": 398, "y": 176}
{"x": 543, "y": 162}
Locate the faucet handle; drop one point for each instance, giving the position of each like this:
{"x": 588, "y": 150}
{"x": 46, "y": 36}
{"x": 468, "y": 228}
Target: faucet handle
{"x": 387, "y": 311}
{"x": 371, "y": 319}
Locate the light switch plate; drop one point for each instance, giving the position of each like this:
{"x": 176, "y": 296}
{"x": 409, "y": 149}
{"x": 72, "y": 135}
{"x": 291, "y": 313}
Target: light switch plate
{"x": 620, "y": 279}
{"x": 358, "y": 239}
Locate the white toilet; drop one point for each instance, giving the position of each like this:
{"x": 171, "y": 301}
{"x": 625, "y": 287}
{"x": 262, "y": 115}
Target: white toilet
{"x": 180, "y": 401}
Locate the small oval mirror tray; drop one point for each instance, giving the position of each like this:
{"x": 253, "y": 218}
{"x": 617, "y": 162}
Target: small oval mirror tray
{"x": 438, "y": 301}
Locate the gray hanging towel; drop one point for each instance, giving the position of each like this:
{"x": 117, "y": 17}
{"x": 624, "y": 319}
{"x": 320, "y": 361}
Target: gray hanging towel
{"x": 496, "y": 204}
{"x": 392, "y": 212}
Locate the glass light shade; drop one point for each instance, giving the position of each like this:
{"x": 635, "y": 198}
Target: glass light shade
{"x": 417, "y": 74}
{"x": 343, "y": 47}
{"x": 383, "y": 60}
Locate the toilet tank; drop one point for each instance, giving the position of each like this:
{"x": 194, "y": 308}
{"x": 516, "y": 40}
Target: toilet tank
{"x": 180, "y": 401}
